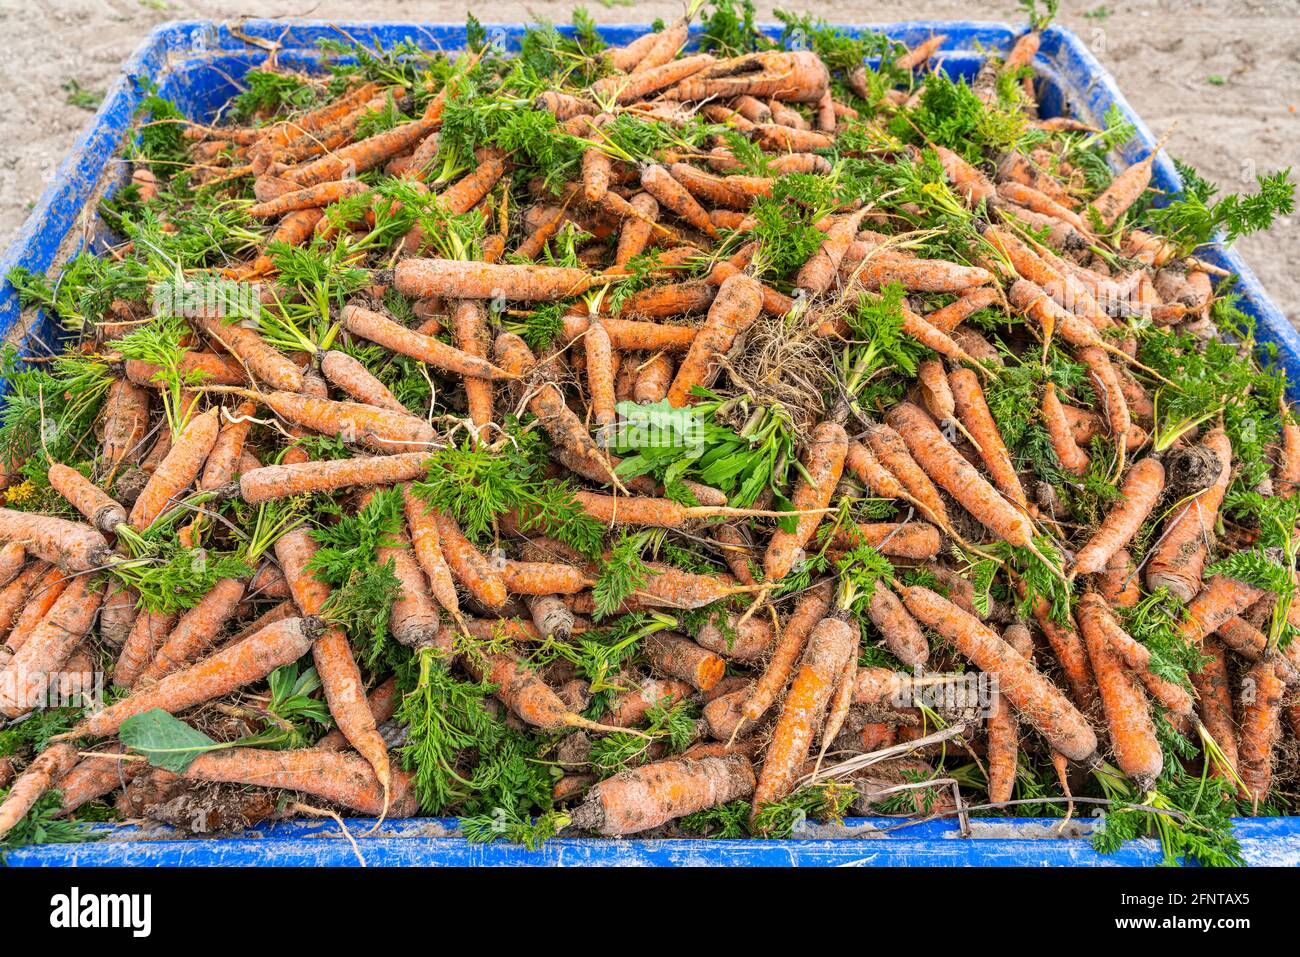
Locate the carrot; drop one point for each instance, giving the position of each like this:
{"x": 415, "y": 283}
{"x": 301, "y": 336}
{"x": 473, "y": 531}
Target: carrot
{"x": 265, "y": 362}
{"x": 92, "y": 777}
{"x": 862, "y": 462}
{"x": 636, "y": 232}
{"x": 177, "y": 471}
{"x": 465, "y": 193}
{"x": 659, "y": 183}
{"x": 629, "y": 335}
{"x": 1219, "y": 599}
{"x": 903, "y": 636}
{"x": 44, "y": 594}
{"x": 273, "y": 482}
{"x": 207, "y": 368}
{"x": 566, "y": 107}
{"x": 1261, "y": 714}
{"x": 949, "y": 469}
{"x": 669, "y": 587}
{"x": 1287, "y": 476}
{"x": 87, "y": 498}
{"x": 124, "y": 422}
{"x": 629, "y": 89}
{"x": 1032, "y": 199}
{"x": 1002, "y": 729}
{"x": 736, "y": 191}
{"x": 969, "y": 183}
{"x": 339, "y": 777}
{"x": 679, "y": 657}
{"x": 354, "y": 422}
{"x": 38, "y": 778}
{"x": 823, "y": 462}
{"x": 414, "y": 616}
{"x": 642, "y": 798}
{"x": 12, "y": 559}
{"x": 734, "y": 310}
{"x": 547, "y": 403}
{"x": 149, "y": 631}
{"x": 309, "y": 197}
{"x": 600, "y": 375}
{"x": 382, "y": 704}
{"x": 223, "y": 460}
{"x": 70, "y": 545}
{"x": 23, "y": 683}
{"x": 736, "y": 639}
{"x": 372, "y": 325}
{"x": 196, "y": 630}
{"x": 831, "y": 645}
{"x": 428, "y": 549}
{"x": 1124, "y": 190}
{"x": 1178, "y": 561}
{"x": 1138, "y": 495}
{"x": 1034, "y": 697}
{"x": 1117, "y": 582}
{"x": 629, "y": 708}
{"x": 467, "y": 564}
{"x": 973, "y": 411}
{"x": 917, "y": 275}
{"x": 653, "y": 379}
{"x": 356, "y": 380}
{"x": 455, "y": 279}
{"x": 542, "y": 578}
{"x": 893, "y": 455}
{"x": 914, "y": 540}
{"x": 670, "y": 299}
{"x": 360, "y": 156}
{"x": 1072, "y": 458}
{"x": 220, "y": 673}
{"x": 1128, "y": 715}
{"x": 1214, "y": 697}
{"x": 524, "y": 693}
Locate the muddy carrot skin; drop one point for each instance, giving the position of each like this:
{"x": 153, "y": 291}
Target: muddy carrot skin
{"x": 38, "y": 778}
{"x": 646, "y": 797}
{"x": 1036, "y": 699}
{"x": 282, "y": 481}
{"x": 824, "y": 462}
{"x": 24, "y": 682}
{"x": 1179, "y": 559}
{"x": 1139, "y": 494}
{"x": 355, "y": 379}
{"x": 428, "y": 549}
{"x": 196, "y": 630}
{"x": 1261, "y": 712}
{"x": 70, "y": 545}
{"x": 177, "y": 471}
{"x": 830, "y": 646}
{"x": 87, "y": 498}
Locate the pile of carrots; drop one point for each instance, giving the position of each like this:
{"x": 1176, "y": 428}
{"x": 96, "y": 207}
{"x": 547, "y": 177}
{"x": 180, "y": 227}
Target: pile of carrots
{"x": 382, "y": 537}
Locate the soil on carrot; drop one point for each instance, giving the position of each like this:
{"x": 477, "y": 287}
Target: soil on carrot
{"x": 549, "y": 415}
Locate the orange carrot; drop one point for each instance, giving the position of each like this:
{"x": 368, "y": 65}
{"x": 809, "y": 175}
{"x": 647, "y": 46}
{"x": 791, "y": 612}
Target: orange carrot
{"x": 196, "y": 630}
{"x": 262, "y": 359}
{"x": 309, "y": 197}
{"x": 12, "y": 559}
{"x": 524, "y": 693}
{"x": 903, "y": 636}
{"x": 831, "y": 645}
{"x": 1035, "y": 698}
{"x": 223, "y": 460}
{"x": 372, "y": 325}
{"x": 13, "y": 597}
{"x": 468, "y": 565}
{"x": 428, "y": 549}
{"x": 149, "y": 631}
{"x": 629, "y": 89}
{"x": 1219, "y": 599}
{"x": 1139, "y": 494}
{"x": 636, "y": 232}
{"x": 1214, "y": 697}
{"x": 1178, "y": 560}
{"x": 973, "y": 411}
{"x": 1072, "y": 458}
{"x": 124, "y": 422}
{"x": 946, "y": 466}
{"x": 38, "y": 778}
{"x": 679, "y": 657}
{"x": 177, "y": 471}
{"x": 1124, "y": 190}
{"x": 736, "y": 639}
{"x": 44, "y": 594}
{"x": 220, "y": 673}
{"x": 87, "y": 498}
{"x": 1117, "y": 582}
{"x": 339, "y": 777}
{"x": 354, "y": 422}
{"x": 659, "y": 183}
{"x": 1001, "y": 727}
{"x": 273, "y": 482}
{"x": 734, "y": 310}
{"x": 332, "y": 655}
{"x": 454, "y": 279}
{"x": 823, "y": 462}
{"x": 360, "y": 156}
{"x": 357, "y": 381}
{"x": 24, "y": 682}
{"x": 653, "y": 379}
{"x": 641, "y": 798}
{"x": 1261, "y": 715}
{"x": 70, "y": 545}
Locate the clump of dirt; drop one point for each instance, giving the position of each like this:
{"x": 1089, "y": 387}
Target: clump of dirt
{"x": 1190, "y": 469}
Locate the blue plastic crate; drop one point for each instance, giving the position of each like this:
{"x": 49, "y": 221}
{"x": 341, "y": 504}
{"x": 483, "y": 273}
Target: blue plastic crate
{"x": 195, "y": 64}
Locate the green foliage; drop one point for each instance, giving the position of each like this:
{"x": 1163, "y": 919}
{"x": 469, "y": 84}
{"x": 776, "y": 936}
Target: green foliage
{"x": 32, "y": 733}
{"x": 673, "y": 724}
{"x": 43, "y": 824}
{"x": 730, "y": 30}
{"x": 268, "y": 93}
{"x": 826, "y": 802}
{"x": 513, "y": 827}
{"x": 161, "y": 142}
{"x": 621, "y": 573}
{"x": 166, "y": 742}
{"x": 1196, "y": 217}
{"x": 363, "y": 588}
{"x": 878, "y": 342}
{"x": 475, "y": 484}
{"x": 950, "y": 114}
{"x": 674, "y": 444}
{"x": 1154, "y": 623}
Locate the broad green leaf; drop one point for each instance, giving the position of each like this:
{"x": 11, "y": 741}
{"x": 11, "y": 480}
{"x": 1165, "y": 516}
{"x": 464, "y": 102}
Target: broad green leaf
{"x": 166, "y": 742}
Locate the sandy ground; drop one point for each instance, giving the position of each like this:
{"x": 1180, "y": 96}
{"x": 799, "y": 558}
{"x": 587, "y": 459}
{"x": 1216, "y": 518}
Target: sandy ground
{"x": 1227, "y": 72}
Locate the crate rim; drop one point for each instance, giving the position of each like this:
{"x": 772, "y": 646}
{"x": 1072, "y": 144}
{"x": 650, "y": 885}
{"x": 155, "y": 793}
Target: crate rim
{"x": 1273, "y": 840}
